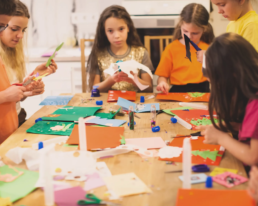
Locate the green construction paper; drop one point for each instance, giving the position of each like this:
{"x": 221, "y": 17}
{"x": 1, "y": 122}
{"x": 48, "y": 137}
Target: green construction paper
{"x": 66, "y": 127}
{"x": 70, "y": 145}
{"x": 204, "y": 121}
{"x": 53, "y": 55}
{"x": 122, "y": 140}
{"x": 207, "y": 154}
{"x": 105, "y": 115}
{"x": 168, "y": 111}
{"x": 44, "y": 127}
{"x": 21, "y": 186}
{"x": 71, "y": 114}
{"x": 196, "y": 94}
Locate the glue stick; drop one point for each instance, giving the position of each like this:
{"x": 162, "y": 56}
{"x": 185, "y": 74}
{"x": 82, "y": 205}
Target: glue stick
{"x": 153, "y": 116}
{"x": 187, "y": 161}
{"x": 82, "y": 135}
{"x": 131, "y": 118}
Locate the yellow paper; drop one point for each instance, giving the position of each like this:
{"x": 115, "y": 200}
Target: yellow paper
{"x": 5, "y": 201}
{"x": 219, "y": 170}
{"x": 126, "y": 184}
{"x": 40, "y": 77}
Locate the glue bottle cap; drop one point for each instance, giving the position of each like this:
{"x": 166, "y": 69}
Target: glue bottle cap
{"x": 142, "y": 100}
{"x": 208, "y": 183}
{"x": 40, "y": 145}
{"x": 155, "y": 129}
{"x": 95, "y": 87}
{"x": 173, "y": 120}
{"x": 37, "y": 120}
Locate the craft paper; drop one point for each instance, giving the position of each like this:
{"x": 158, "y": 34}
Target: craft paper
{"x": 105, "y": 122}
{"x": 44, "y": 127}
{"x": 56, "y": 100}
{"x": 69, "y": 196}
{"x": 126, "y": 184}
{"x": 139, "y": 84}
{"x": 98, "y": 137}
{"x": 184, "y": 97}
{"x": 212, "y": 155}
{"x": 196, "y": 178}
{"x": 196, "y": 145}
{"x": 71, "y": 114}
{"x": 169, "y": 111}
{"x": 114, "y": 95}
{"x": 170, "y": 152}
{"x": 196, "y": 197}
{"x": 222, "y": 179}
{"x": 219, "y": 170}
{"x": 20, "y": 187}
{"x": 5, "y": 201}
{"x": 194, "y": 117}
{"x": 138, "y": 108}
{"x": 53, "y": 55}
{"x": 93, "y": 181}
{"x": 187, "y": 46}
{"x": 147, "y": 142}
{"x": 103, "y": 170}
{"x": 47, "y": 54}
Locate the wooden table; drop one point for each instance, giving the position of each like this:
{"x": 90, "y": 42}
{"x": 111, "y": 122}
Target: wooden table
{"x": 163, "y": 185}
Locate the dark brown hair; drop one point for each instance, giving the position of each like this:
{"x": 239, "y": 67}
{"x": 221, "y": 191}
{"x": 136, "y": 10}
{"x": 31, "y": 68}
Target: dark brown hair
{"x": 101, "y": 41}
{"x": 7, "y": 7}
{"x": 198, "y": 15}
{"x": 232, "y": 67}
{"x": 21, "y": 10}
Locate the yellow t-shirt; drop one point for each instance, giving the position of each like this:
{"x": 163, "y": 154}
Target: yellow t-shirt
{"x": 247, "y": 27}
{"x": 175, "y": 66}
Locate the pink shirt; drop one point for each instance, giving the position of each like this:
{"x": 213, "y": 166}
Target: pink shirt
{"x": 249, "y": 127}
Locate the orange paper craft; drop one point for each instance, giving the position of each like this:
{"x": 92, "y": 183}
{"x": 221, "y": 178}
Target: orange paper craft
{"x": 192, "y": 114}
{"x": 183, "y": 97}
{"x": 207, "y": 197}
{"x": 98, "y": 137}
{"x": 196, "y": 145}
{"x": 113, "y": 95}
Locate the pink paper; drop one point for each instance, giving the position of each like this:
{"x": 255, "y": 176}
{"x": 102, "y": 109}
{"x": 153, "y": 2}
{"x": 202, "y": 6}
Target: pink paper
{"x": 139, "y": 84}
{"x": 94, "y": 181}
{"x": 47, "y": 54}
{"x": 147, "y": 143}
{"x": 222, "y": 179}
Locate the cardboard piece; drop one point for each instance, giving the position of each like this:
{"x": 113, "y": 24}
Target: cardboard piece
{"x": 138, "y": 108}
{"x": 98, "y": 137}
{"x": 196, "y": 178}
{"x": 219, "y": 170}
{"x": 197, "y": 197}
{"x": 71, "y": 114}
{"x": 126, "y": 184}
{"x": 56, "y": 100}
{"x": 147, "y": 142}
{"x": 229, "y": 179}
{"x": 169, "y": 111}
{"x": 114, "y": 95}
{"x": 183, "y": 97}
{"x": 196, "y": 145}
{"x": 21, "y": 186}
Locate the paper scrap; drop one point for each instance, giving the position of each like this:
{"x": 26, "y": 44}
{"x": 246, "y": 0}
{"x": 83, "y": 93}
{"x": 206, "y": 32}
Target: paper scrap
{"x": 170, "y": 152}
{"x": 219, "y": 170}
{"x": 94, "y": 181}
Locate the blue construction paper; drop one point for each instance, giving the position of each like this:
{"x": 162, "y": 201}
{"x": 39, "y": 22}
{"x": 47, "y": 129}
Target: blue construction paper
{"x": 196, "y": 178}
{"x": 106, "y": 122}
{"x": 56, "y": 100}
{"x": 126, "y": 104}
{"x": 195, "y": 46}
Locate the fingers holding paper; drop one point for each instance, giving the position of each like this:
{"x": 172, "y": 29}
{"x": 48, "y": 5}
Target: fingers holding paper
{"x": 37, "y": 89}
{"x": 211, "y": 134}
{"x": 163, "y": 87}
{"x": 199, "y": 55}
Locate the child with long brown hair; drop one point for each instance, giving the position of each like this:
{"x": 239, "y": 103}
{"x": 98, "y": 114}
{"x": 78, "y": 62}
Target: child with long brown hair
{"x": 116, "y": 39}
{"x": 184, "y": 75}
{"x": 232, "y": 68}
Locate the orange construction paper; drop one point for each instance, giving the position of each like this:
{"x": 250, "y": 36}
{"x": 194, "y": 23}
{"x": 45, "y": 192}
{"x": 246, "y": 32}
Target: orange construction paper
{"x": 196, "y": 145}
{"x": 209, "y": 197}
{"x": 98, "y": 137}
{"x": 183, "y": 97}
{"x": 113, "y": 95}
{"x": 192, "y": 114}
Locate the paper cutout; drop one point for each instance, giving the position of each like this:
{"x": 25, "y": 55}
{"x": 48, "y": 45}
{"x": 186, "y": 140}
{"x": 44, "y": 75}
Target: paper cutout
{"x": 168, "y": 111}
{"x": 207, "y": 154}
{"x": 105, "y": 122}
{"x": 183, "y": 97}
{"x": 194, "y": 114}
{"x": 122, "y": 140}
{"x": 229, "y": 179}
{"x": 196, "y": 178}
{"x": 219, "y": 170}
{"x": 138, "y": 109}
{"x": 195, "y": 94}
{"x": 39, "y": 77}
{"x": 19, "y": 188}
{"x": 196, "y": 197}
{"x": 196, "y": 145}
{"x": 43, "y": 127}
{"x": 202, "y": 121}
{"x": 10, "y": 177}
{"x": 104, "y": 137}
{"x": 170, "y": 152}
{"x": 47, "y": 54}
{"x": 126, "y": 184}
{"x": 114, "y": 95}
{"x": 53, "y": 55}
{"x": 147, "y": 142}
{"x": 56, "y": 100}
{"x": 5, "y": 201}
{"x": 94, "y": 181}
{"x": 187, "y": 46}
{"x": 139, "y": 84}
{"x": 71, "y": 114}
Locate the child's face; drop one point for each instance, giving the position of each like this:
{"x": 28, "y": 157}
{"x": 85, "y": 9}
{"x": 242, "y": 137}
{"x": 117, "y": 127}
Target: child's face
{"x": 14, "y": 32}
{"x": 4, "y": 19}
{"x": 230, "y": 9}
{"x": 192, "y": 31}
{"x": 116, "y": 31}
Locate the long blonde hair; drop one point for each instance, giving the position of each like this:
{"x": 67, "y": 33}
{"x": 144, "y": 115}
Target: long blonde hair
{"x": 14, "y": 58}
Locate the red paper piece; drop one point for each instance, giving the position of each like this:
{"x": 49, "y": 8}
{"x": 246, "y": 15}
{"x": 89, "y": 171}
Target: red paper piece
{"x": 183, "y": 97}
{"x": 196, "y": 145}
{"x": 98, "y": 137}
{"x": 113, "y": 95}
{"x": 191, "y": 114}
{"x": 197, "y": 197}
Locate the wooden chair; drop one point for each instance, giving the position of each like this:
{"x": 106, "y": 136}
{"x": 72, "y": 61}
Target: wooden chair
{"x": 83, "y": 61}
{"x": 147, "y": 40}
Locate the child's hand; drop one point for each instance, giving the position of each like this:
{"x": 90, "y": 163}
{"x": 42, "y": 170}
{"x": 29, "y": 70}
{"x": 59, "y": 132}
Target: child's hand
{"x": 14, "y": 93}
{"x": 121, "y": 76}
{"x": 199, "y": 55}
{"x": 253, "y": 183}
{"x": 37, "y": 88}
{"x": 42, "y": 69}
{"x": 163, "y": 87}
{"x": 211, "y": 134}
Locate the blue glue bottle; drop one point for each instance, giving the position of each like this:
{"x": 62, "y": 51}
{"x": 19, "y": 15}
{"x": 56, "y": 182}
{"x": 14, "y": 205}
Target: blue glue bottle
{"x": 40, "y": 145}
{"x": 95, "y": 92}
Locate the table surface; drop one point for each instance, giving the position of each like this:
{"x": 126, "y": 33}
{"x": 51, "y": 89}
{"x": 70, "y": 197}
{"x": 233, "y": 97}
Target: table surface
{"x": 151, "y": 171}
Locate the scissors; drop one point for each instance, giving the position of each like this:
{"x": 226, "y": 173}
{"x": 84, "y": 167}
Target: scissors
{"x": 93, "y": 200}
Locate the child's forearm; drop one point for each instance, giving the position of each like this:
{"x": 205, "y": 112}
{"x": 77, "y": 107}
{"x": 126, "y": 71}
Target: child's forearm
{"x": 105, "y": 85}
{"x": 2, "y": 97}
{"x": 162, "y": 79}
{"x": 244, "y": 152}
